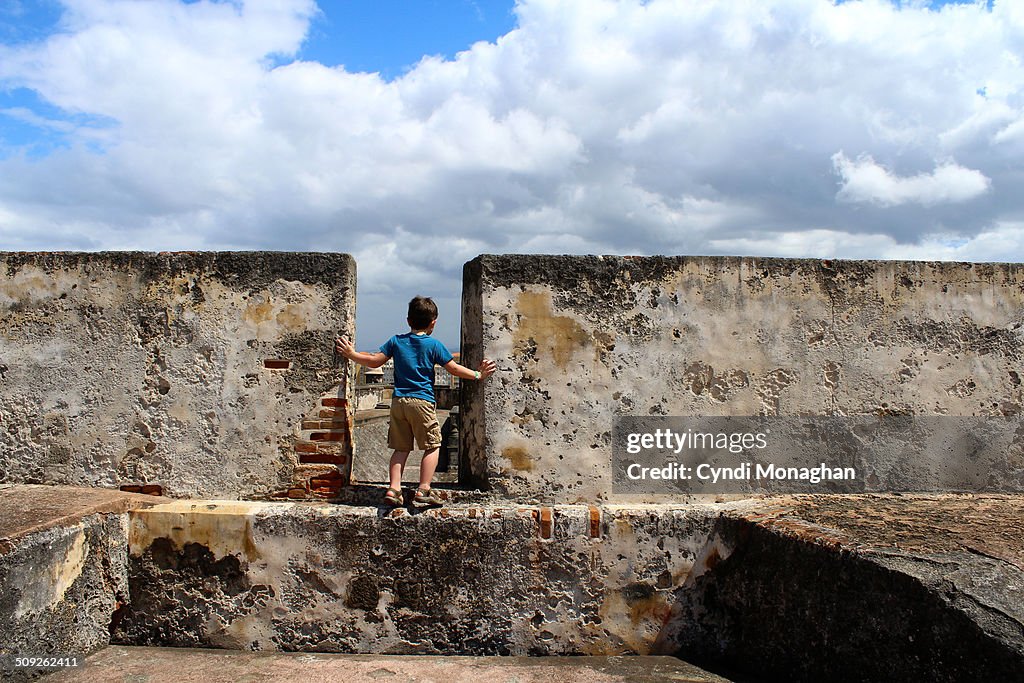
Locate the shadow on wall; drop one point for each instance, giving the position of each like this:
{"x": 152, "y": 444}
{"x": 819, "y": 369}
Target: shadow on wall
{"x": 787, "y": 595}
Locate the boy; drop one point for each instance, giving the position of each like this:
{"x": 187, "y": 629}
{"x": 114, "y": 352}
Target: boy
{"x": 413, "y": 413}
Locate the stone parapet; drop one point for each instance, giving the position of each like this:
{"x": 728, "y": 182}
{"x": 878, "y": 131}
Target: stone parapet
{"x": 463, "y": 579}
{"x": 191, "y": 371}
{"x": 63, "y": 570}
{"x": 857, "y": 587}
{"x": 580, "y": 340}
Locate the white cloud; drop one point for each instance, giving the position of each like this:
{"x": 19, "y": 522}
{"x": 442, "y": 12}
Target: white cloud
{"x": 664, "y": 126}
{"x": 866, "y": 181}
{"x": 991, "y": 245}
{"x": 28, "y": 116}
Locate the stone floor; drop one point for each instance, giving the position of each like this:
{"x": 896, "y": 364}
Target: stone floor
{"x": 181, "y": 665}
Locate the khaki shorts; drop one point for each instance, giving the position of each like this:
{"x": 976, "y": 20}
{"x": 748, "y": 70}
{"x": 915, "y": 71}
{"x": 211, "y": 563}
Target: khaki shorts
{"x": 413, "y": 417}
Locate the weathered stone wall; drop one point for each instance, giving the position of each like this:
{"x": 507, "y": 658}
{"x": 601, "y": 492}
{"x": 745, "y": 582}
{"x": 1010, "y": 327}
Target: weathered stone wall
{"x": 63, "y": 570}
{"x": 488, "y": 579}
{"x": 852, "y": 588}
{"x": 60, "y": 588}
{"x": 188, "y": 370}
{"x": 859, "y": 588}
{"x": 372, "y": 454}
{"x": 579, "y": 340}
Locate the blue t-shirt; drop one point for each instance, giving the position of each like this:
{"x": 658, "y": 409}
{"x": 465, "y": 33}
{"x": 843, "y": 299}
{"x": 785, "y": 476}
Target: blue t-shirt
{"x": 415, "y": 356}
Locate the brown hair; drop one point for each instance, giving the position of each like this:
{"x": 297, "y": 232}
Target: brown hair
{"x": 422, "y": 312}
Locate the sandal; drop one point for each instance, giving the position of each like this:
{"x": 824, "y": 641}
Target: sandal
{"x": 426, "y": 498}
{"x": 393, "y": 497}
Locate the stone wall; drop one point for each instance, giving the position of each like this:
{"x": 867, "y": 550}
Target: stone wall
{"x": 470, "y": 580}
{"x": 60, "y": 587}
{"x": 581, "y": 339}
{"x": 63, "y": 570}
{"x": 853, "y": 588}
{"x": 191, "y": 371}
{"x": 877, "y": 587}
{"x": 372, "y": 454}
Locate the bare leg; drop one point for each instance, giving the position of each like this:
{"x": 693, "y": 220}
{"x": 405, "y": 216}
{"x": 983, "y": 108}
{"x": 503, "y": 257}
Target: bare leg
{"x": 427, "y": 467}
{"x": 396, "y": 468}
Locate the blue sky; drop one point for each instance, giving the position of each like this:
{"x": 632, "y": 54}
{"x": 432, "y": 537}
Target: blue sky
{"x": 416, "y": 135}
{"x": 391, "y": 36}
{"x": 384, "y": 36}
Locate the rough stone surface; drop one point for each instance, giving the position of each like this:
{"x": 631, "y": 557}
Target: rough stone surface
{"x": 182, "y": 665}
{"x": 111, "y": 366}
{"x": 803, "y": 588}
{"x": 129, "y": 368}
{"x": 859, "y": 588}
{"x": 63, "y": 569}
{"x": 580, "y": 339}
{"x": 470, "y": 580}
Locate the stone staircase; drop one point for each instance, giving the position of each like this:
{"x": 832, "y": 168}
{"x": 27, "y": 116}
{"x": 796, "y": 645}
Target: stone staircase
{"x": 323, "y": 449}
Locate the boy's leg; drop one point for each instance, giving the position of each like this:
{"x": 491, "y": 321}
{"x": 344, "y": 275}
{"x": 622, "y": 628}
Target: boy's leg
{"x": 428, "y": 437}
{"x": 428, "y": 466}
{"x": 426, "y": 496}
{"x": 396, "y": 467}
{"x": 400, "y": 438}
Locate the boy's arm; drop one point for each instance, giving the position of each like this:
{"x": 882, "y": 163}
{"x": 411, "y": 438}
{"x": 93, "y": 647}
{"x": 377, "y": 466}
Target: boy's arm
{"x": 346, "y": 348}
{"x": 487, "y": 368}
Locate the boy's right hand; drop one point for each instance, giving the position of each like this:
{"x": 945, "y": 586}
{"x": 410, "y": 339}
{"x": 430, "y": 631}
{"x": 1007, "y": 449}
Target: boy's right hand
{"x": 487, "y": 368}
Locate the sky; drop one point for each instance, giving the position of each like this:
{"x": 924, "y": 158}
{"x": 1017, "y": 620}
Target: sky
{"x": 416, "y": 135}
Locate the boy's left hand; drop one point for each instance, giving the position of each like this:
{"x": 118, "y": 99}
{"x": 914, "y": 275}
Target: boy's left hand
{"x": 343, "y": 346}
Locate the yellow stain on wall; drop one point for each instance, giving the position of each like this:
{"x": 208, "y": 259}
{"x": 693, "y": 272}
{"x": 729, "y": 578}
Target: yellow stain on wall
{"x": 557, "y": 337}
{"x": 43, "y": 590}
{"x": 223, "y": 527}
{"x": 292, "y": 317}
{"x": 637, "y": 621}
{"x": 257, "y": 313}
{"x": 519, "y": 457}
{"x": 65, "y": 573}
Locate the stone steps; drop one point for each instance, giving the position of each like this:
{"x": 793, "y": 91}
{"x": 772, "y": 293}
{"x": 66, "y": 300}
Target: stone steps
{"x": 323, "y": 448}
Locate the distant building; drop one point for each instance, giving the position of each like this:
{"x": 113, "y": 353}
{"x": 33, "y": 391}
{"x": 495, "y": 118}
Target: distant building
{"x": 443, "y": 379}
{"x": 385, "y": 375}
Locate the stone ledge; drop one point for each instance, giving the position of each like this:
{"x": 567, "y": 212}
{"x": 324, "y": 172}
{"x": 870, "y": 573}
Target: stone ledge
{"x": 63, "y": 568}
{"x": 29, "y": 508}
{"x": 846, "y": 577}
